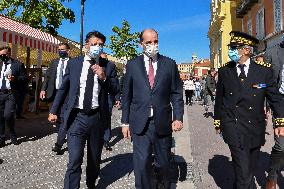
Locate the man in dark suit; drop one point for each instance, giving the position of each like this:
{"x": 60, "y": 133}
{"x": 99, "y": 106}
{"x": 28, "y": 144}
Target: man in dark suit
{"x": 88, "y": 80}
{"x": 277, "y": 153}
{"x": 242, "y": 87}
{"x": 152, "y": 107}
{"x": 52, "y": 82}
{"x": 12, "y": 75}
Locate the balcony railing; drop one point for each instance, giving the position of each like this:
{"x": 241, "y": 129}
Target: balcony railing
{"x": 244, "y": 7}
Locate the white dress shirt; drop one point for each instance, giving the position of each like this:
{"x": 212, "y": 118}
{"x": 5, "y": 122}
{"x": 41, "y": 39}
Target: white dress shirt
{"x": 154, "y": 63}
{"x": 246, "y": 68}
{"x": 281, "y": 89}
{"x": 61, "y": 61}
{"x": 5, "y": 74}
{"x": 83, "y": 81}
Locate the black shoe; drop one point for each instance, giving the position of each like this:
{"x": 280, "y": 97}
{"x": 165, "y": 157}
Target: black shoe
{"x": 57, "y": 148}
{"x": 2, "y": 144}
{"x": 1, "y": 161}
{"x": 14, "y": 141}
{"x": 107, "y": 146}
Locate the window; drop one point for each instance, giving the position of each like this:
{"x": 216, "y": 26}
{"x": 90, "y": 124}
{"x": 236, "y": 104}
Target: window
{"x": 249, "y": 27}
{"x": 260, "y": 28}
{"x": 277, "y": 15}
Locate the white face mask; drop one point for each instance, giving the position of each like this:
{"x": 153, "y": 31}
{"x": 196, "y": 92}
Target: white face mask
{"x": 151, "y": 50}
{"x": 95, "y": 50}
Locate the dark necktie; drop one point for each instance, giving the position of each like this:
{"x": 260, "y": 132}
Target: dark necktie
{"x": 151, "y": 76}
{"x": 242, "y": 75}
{"x": 61, "y": 72}
{"x": 4, "y": 77}
{"x": 88, "y": 96}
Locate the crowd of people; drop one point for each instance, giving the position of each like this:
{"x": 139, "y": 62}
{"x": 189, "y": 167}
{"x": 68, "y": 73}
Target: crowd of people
{"x": 83, "y": 90}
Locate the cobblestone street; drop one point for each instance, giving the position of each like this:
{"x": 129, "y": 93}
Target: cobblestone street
{"x": 32, "y": 164}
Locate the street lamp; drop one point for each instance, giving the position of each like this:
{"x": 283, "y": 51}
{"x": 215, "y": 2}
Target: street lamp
{"x": 82, "y": 25}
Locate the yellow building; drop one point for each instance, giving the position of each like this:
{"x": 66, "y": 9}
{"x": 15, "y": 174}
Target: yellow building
{"x": 223, "y": 21}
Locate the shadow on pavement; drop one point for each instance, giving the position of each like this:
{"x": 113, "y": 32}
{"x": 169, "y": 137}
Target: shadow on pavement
{"x": 118, "y": 167}
{"x": 33, "y": 128}
{"x": 116, "y": 132}
{"x": 178, "y": 171}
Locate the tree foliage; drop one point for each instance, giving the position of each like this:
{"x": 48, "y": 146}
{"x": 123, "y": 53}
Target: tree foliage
{"x": 46, "y": 15}
{"x": 123, "y": 43}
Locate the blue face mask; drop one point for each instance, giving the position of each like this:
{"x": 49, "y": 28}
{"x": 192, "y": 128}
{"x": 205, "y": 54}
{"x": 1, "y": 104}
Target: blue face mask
{"x": 62, "y": 54}
{"x": 234, "y": 55}
{"x": 95, "y": 50}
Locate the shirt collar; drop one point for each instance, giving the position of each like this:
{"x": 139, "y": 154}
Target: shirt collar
{"x": 146, "y": 58}
{"x": 87, "y": 58}
{"x": 64, "y": 59}
{"x": 246, "y": 63}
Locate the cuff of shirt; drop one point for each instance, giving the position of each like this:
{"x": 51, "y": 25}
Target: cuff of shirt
{"x": 124, "y": 125}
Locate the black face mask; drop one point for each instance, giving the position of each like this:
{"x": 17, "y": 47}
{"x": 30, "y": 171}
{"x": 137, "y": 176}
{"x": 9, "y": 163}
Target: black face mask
{"x": 63, "y": 54}
{"x": 4, "y": 58}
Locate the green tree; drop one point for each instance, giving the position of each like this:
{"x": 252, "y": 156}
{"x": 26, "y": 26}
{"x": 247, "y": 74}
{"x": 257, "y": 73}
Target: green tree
{"x": 46, "y": 15}
{"x": 123, "y": 43}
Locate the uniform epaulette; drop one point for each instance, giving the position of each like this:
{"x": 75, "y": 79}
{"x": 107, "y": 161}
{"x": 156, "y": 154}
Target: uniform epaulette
{"x": 268, "y": 65}
{"x": 223, "y": 65}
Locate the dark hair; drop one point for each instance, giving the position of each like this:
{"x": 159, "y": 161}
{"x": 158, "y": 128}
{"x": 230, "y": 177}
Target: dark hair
{"x": 141, "y": 33}
{"x": 65, "y": 44}
{"x": 95, "y": 34}
{"x": 5, "y": 47}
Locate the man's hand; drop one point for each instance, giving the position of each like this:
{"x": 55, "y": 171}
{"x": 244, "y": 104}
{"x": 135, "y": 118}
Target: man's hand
{"x": 117, "y": 103}
{"x": 42, "y": 95}
{"x": 126, "y": 132}
{"x": 218, "y": 130}
{"x": 99, "y": 71}
{"x": 279, "y": 131}
{"x": 177, "y": 125}
{"x": 52, "y": 118}
{"x": 10, "y": 77}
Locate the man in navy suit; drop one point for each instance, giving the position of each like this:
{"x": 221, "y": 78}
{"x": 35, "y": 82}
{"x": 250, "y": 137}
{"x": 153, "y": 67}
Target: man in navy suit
{"x": 88, "y": 79}
{"x": 152, "y": 107}
{"x": 12, "y": 76}
{"x": 52, "y": 82}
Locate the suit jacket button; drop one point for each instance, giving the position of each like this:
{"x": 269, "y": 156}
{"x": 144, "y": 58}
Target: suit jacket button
{"x": 250, "y": 108}
{"x": 254, "y": 94}
{"x": 237, "y": 106}
{"x": 249, "y": 121}
{"x": 231, "y": 93}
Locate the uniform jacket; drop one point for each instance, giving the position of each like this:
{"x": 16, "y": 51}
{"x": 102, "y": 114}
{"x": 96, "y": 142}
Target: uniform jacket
{"x": 166, "y": 97}
{"x": 71, "y": 83}
{"x": 240, "y": 105}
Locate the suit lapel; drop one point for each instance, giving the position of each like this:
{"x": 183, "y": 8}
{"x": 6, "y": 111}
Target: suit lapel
{"x": 142, "y": 68}
{"x": 159, "y": 72}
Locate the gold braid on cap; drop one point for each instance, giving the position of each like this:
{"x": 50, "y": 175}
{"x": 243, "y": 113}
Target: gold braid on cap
{"x": 217, "y": 123}
{"x": 279, "y": 122}
{"x": 242, "y": 40}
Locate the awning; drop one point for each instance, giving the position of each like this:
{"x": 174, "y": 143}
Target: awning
{"x": 15, "y": 32}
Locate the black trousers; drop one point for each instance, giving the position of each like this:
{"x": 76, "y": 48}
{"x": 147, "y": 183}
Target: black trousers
{"x": 143, "y": 146}
{"x": 244, "y": 163}
{"x": 188, "y": 96}
{"x": 7, "y": 115}
{"x": 84, "y": 129}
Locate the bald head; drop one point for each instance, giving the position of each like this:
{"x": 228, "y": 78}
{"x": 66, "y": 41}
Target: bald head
{"x": 149, "y": 32}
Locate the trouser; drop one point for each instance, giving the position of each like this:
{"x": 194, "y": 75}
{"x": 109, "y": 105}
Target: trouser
{"x": 61, "y": 129}
{"x": 197, "y": 94}
{"x": 107, "y": 125}
{"x": 244, "y": 163}
{"x": 7, "y": 115}
{"x": 144, "y": 145}
{"x": 188, "y": 96}
{"x": 20, "y": 98}
{"x": 86, "y": 128}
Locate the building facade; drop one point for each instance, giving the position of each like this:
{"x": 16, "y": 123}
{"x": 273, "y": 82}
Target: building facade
{"x": 201, "y": 68}
{"x": 264, "y": 20}
{"x": 223, "y": 21}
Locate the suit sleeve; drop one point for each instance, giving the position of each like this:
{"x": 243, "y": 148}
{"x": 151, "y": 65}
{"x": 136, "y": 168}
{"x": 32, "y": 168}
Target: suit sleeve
{"x": 126, "y": 95}
{"x": 62, "y": 92}
{"x": 275, "y": 99}
{"x": 111, "y": 82}
{"x": 218, "y": 100}
{"x": 177, "y": 95}
{"x": 21, "y": 76}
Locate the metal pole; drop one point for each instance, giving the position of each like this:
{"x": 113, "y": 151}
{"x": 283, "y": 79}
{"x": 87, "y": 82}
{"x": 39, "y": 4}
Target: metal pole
{"x": 82, "y": 25}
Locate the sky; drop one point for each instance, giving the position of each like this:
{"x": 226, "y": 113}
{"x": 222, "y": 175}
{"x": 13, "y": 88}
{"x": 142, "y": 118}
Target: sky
{"x": 182, "y": 24}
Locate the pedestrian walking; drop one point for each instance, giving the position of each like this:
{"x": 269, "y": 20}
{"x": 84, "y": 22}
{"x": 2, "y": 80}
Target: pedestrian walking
{"x": 52, "y": 82}
{"x": 88, "y": 80}
{"x": 12, "y": 75}
{"x": 277, "y": 153}
{"x": 210, "y": 91}
{"x": 197, "y": 91}
{"x": 242, "y": 87}
{"x": 152, "y": 94}
{"x": 189, "y": 88}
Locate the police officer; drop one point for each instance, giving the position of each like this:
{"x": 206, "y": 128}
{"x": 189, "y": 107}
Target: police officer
{"x": 239, "y": 108}
{"x": 277, "y": 153}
